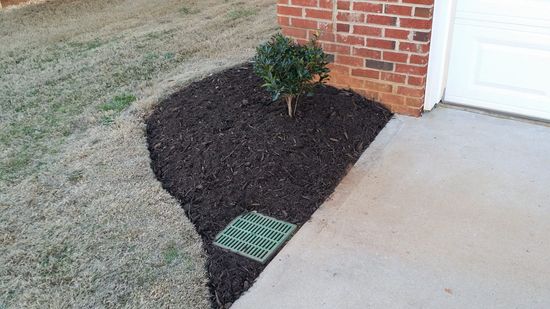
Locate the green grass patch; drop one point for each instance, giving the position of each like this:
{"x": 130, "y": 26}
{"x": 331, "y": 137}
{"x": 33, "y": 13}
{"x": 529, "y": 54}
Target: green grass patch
{"x": 75, "y": 176}
{"x": 60, "y": 82}
{"x": 14, "y": 164}
{"x": 170, "y": 254}
{"x": 169, "y": 56}
{"x": 159, "y": 35}
{"x": 118, "y": 103}
{"x": 55, "y": 262}
{"x": 85, "y": 46}
{"x": 240, "y": 13}
{"x": 106, "y": 120}
{"x": 188, "y": 10}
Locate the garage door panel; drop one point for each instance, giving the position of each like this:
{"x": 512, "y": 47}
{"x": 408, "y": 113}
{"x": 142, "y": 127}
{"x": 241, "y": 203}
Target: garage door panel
{"x": 511, "y": 78}
{"x": 525, "y": 12}
{"x": 499, "y": 65}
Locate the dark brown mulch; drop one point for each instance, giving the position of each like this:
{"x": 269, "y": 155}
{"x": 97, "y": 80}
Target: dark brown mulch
{"x": 222, "y": 149}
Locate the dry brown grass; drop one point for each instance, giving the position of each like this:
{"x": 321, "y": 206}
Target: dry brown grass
{"x": 83, "y": 222}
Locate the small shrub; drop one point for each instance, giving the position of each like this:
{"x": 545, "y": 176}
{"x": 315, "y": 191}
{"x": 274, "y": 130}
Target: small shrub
{"x": 290, "y": 70}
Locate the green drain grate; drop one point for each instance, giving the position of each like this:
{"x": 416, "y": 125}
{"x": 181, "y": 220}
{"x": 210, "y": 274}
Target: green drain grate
{"x": 254, "y": 235}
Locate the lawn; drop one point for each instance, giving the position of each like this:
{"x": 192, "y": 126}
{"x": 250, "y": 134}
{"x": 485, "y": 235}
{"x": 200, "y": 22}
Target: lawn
{"x": 83, "y": 221}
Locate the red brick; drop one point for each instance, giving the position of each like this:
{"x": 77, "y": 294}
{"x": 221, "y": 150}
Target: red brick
{"x": 366, "y": 73}
{"x": 339, "y": 69}
{"x": 416, "y": 81}
{"x": 414, "y": 47}
{"x": 282, "y": 1}
{"x": 350, "y": 39}
{"x": 351, "y": 17}
{"x": 283, "y": 20}
{"x": 367, "y": 53}
{"x": 392, "y": 99}
{"x": 367, "y": 30}
{"x": 286, "y": 10}
{"x": 343, "y": 5}
{"x": 323, "y": 36}
{"x": 406, "y": 110}
{"x": 423, "y": 12}
{"x": 426, "y": 2}
{"x": 395, "y": 57}
{"x": 342, "y": 27}
{"x": 382, "y": 20}
{"x": 367, "y": 7}
{"x": 421, "y": 36}
{"x": 410, "y": 92}
{"x": 312, "y": 3}
{"x": 295, "y": 32}
{"x": 384, "y": 44}
{"x": 326, "y": 4}
{"x": 411, "y": 69}
{"x": 304, "y": 23}
{"x": 414, "y": 102}
{"x": 334, "y": 48}
{"x": 397, "y": 34}
{"x": 398, "y": 10}
{"x": 349, "y": 60}
{"x": 416, "y": 59}
{"x": 347, "y": 81}
{"x": 392, "y": 77}
{"x": 377, "y": 86}
{"x": 415, "y": 23}
{"x": 319, "y": 14}
{"x": 373, "y": 95}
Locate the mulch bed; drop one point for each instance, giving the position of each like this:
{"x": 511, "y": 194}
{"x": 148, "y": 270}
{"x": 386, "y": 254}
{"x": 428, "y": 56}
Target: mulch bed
{"x": 222, "y": 148}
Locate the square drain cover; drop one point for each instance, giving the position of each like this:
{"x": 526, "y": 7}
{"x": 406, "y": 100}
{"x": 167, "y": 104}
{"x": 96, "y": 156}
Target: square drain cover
{"x": 254, "y": 235}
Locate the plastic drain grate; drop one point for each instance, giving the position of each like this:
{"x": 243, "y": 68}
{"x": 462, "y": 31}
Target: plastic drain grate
{"x": 255, "y": 236}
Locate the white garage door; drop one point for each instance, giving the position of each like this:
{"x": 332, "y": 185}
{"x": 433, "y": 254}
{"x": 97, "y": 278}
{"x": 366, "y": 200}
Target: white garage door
{"x": 500, "y": 56}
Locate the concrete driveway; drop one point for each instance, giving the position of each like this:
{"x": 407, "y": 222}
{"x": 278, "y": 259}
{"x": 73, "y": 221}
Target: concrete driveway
{"x": 451, "y": 210}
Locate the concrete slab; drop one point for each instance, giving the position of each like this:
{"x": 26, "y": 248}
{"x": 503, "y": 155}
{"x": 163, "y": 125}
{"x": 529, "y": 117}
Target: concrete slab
{"x": 448, "y": 211}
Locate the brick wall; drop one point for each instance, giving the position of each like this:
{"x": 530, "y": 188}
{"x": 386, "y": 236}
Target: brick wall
{"x": 380, "y": 48}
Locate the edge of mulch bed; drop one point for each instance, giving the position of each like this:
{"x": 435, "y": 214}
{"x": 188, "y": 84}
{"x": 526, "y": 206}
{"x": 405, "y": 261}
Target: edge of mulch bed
{"x": 222, "y": 148}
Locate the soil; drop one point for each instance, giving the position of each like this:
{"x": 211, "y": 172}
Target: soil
{"x": 223, "y": 148}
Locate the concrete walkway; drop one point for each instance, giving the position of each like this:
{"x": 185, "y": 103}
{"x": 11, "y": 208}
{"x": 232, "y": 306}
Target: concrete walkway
{"x": 448, "y": 211}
